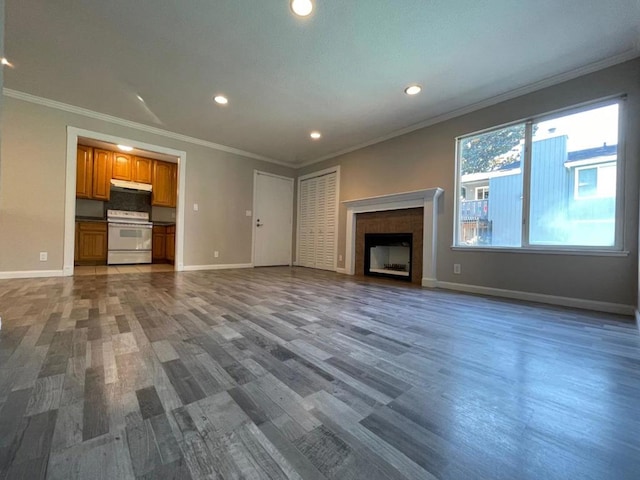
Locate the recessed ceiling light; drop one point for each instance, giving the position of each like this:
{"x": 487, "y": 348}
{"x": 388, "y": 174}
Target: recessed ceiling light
{"x": 302, "y": 8}
{"x": 315, "y": 135}
{"x": 125, "y": 148}
{"x": 413, "y": 89}
{"x": 6, "y": 62}
{"x": 221, "y": 99}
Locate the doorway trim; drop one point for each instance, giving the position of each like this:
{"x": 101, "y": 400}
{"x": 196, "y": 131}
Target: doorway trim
{"x": 70, "y": 190}
{"x": 253, "y": 213}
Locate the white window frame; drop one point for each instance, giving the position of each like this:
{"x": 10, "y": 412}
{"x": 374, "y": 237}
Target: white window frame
{"x": 597, "y": 168}
{"x": 616, "y": 249}
{"x": 483, "y": 190}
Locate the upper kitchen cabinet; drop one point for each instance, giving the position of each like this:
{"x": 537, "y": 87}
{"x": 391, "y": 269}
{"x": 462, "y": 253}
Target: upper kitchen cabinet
{"x": 84, "y": 172}
{"x": 102, "y": 168}
{"x": 142, "y": 170}
{"x": 122, "y": 166}
{"x": 165, "y": 177}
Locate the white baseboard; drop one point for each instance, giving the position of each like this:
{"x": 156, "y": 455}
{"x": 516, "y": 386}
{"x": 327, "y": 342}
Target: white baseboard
{"x": 618, "y": 308}
{"x": 341, "y": 270}
{"x": 32, "y": 274}
{"x": 429, "y": 282}
{"x": 231, "y": 266}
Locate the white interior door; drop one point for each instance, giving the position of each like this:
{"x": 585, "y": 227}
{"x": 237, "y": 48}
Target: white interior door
{"x": 273, "y": 220}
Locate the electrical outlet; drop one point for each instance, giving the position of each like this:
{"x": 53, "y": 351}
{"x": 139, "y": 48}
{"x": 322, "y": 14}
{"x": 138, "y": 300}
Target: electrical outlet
{"x": 339, "y": 258}
{"x": 195, "y": 207}
{"x": 216, "y": 254}
{"x": 43, "y": 256}
{"x": 457, "y": 269}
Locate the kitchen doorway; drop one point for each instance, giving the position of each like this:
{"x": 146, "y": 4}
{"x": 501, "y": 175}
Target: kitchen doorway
{"x": 73, "y": 135}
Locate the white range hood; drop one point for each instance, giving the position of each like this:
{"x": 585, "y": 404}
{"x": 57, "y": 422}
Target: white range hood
{"x": 144, "y": 187}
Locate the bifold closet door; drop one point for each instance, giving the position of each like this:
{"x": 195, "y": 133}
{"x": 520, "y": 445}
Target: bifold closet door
{"x": 316, "y": 237}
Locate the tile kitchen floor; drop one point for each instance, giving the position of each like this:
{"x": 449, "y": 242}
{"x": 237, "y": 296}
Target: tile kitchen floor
{"x": 119, "y": 269}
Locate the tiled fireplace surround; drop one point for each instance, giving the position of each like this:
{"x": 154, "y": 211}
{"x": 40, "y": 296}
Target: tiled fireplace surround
{"x": 409, "y": 212}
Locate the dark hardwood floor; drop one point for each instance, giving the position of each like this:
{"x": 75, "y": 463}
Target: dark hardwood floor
{"x": 294, "y": 373}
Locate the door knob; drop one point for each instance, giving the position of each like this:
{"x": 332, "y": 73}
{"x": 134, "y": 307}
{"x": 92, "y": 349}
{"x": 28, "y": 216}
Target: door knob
{"x": 258, "y": 224}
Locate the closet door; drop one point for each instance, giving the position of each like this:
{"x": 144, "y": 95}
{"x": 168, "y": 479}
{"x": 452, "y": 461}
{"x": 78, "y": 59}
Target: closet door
{"x": 320, "y": 221}
{"x": 331, "y": 222}
{"x": 305, "y": 246}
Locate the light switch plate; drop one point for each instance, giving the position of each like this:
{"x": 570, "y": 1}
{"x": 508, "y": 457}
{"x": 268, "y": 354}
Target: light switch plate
{"x": 195, "y": 207}
{"x": 247, "y": 213}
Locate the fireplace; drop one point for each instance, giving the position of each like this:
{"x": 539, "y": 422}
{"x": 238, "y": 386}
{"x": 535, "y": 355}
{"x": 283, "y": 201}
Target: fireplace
{"x": 388, "y": 255}
{"x": 424, "y": 229}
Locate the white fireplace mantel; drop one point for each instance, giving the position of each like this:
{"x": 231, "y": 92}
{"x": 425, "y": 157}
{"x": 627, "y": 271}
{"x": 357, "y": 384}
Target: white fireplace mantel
{"x": 428, "y": 199}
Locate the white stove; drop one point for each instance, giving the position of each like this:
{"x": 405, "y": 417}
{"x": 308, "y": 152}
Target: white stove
{"x": 123, "y": 216}
{"x": 130, "y": 236}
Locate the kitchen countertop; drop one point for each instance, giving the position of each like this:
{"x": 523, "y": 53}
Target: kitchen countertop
{"x": 90, "y": 219}
{"x": 164, "y": 224}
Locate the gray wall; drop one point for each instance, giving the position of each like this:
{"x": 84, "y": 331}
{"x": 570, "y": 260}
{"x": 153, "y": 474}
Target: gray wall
{"x": 426, "y": 158}
{"x": 32, "y": 187}
{"x": 32, "y": 190}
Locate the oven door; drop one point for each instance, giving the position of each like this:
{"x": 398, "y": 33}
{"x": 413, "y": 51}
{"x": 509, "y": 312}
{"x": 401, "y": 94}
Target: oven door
{"x": 128, "y": 237}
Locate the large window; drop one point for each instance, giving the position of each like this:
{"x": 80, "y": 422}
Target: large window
{"x": 554, "y": 182}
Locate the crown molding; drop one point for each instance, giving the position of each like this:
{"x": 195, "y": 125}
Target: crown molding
{"x": 27, "y": 97}
{"x": 518, "y": 92}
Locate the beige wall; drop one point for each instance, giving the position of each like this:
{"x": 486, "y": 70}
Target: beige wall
{"x": 32, "y": 190}
{"x": 32, "y": 178}
{"x": 426, "y": 158}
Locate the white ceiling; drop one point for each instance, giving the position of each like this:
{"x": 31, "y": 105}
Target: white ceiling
{"x": 342, "y": 71}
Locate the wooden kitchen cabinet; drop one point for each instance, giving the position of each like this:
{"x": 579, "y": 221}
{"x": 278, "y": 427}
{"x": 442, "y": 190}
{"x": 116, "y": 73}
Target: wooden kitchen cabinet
{"x": 84, "y": 172}
{"x": 91, "y": 243}
{"x": 164, "y": 243}
{"x": 142, "y": 170}
{"x": 165, "y": 177}
{"x": 158, "y": 247}
{"x": 122, "y": 166}
{"x": 170, "y": 245}
{"x": 174, "y": 185}
{"x": 76, "y": 248}
{"x": 102, "y": 168}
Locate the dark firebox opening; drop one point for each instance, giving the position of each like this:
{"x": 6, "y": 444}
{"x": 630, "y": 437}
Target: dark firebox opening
{"x": 388, "y": 255}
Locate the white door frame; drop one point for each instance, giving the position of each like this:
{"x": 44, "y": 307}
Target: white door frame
{"x": 319, "y": 173}
{"x": 70, "y": 191}
{"x": 253, "y": 213}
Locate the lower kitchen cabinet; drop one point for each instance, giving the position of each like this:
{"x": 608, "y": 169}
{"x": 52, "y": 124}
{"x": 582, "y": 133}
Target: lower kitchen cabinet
{"x": 91, "y": 243}
{"x": 158, "y": 244}
{"x": 170, "y": 246}
{"x": 164, "y": 243}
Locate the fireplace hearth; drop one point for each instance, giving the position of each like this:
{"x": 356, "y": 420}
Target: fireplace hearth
{"x": 388, "y": 255}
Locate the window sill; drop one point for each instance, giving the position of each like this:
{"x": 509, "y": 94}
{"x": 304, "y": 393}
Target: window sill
{"x": 546, "y": 251}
